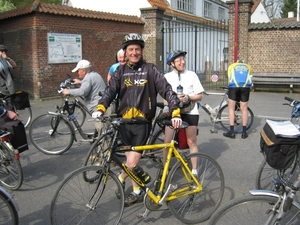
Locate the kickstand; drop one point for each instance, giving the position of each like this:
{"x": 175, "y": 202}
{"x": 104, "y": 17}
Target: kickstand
{"x": 144, "y": 215}
{"x": 213, "y": 129}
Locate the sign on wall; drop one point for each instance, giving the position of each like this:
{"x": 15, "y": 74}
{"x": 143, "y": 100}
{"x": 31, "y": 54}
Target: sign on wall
{"x": 64, "y": 48}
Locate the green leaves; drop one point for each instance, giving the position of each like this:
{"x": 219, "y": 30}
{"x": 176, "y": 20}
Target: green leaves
{"x": 6, "y": 5}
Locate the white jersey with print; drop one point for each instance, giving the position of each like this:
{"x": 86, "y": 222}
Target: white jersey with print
{"x": 190, "y": 83}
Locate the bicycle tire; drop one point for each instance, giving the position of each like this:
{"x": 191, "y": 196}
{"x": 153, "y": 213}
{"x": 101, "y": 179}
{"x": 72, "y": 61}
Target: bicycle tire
{"x": 11, "y": 171}
{"x": 25, "y": 115}
{"x": 205, "y": 203}
{"x": 253, "y": 210}
{"x": 266, "y": 174}
{"x": 55, "y": 144}
{"x": 157, "y": 138}
{"x": 238, "y": 126}
{"x": 8, "y": 212}
{"x": 97, "y": 153}
{"x": 71, "y": 199}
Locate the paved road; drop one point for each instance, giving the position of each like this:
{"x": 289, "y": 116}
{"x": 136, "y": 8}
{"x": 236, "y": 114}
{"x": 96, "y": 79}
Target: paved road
{"x": 238, "y": 158}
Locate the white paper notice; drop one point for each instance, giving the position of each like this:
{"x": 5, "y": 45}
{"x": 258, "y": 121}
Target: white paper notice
{"x": 283, "y": 128}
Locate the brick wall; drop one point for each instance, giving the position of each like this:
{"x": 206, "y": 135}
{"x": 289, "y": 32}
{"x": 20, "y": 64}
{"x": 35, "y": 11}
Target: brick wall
{"x": 266, "y": 50}
{"x": 26, "y": 39}
{"x": 275, "y": 51}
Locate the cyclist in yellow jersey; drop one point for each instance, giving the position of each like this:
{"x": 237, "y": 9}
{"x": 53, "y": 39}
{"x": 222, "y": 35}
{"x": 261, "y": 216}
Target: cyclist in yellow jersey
{"x": 239, "y": 84}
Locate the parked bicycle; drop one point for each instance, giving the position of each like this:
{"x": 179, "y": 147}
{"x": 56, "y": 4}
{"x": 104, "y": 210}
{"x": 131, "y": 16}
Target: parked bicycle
{"x": 263, "y": 206}
{"x": 20, "y": 104}
{"x": 8, "y": 209}
{"x": 53, "y": 133}
{"x": 266, "y": 174}
{"x": 80, "y": 109}
{"x": 11, "y": 173}
{"x": 219, "y": 114}
{"x": 87, "y": 195}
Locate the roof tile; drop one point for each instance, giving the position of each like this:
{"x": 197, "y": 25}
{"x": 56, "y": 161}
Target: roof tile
{"x": 276, "y": 25}
{"x": 36, "y": 6}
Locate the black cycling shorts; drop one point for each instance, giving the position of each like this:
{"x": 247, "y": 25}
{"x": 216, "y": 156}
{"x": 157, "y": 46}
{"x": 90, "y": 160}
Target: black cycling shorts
{"x": 135, "y": 134}
{"x": 192, "y": 120}
{"x": 239, "y": 94}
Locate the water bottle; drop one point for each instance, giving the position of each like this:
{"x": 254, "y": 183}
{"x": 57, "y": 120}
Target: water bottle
{"x": 207, "y": 106}
{"x": 179, "y": 93}
{"x": 144, "y": 176}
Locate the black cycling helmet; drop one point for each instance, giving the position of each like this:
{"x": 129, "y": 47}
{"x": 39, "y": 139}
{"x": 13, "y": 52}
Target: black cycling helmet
{"x": 3, "y": 48}
{"x": 133, "y": 38}
{"x": 173, "y": 55}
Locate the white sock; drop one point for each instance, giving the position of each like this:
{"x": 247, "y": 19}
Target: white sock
{"x": 195, "y": 172}
{"x": 137, "y": 192}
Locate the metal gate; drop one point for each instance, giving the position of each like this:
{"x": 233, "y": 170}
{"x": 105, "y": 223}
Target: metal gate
{"x": 206, "y": 44}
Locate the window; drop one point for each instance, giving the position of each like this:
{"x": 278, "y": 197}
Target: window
{"x": 221, "y": 14}
{"x": 185, "y": 5}
{"x": 207, "y": 9}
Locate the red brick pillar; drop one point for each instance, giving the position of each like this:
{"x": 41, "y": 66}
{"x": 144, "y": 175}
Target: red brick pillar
{"x": 152, "y": 34}
{"x": 244, "y": 18}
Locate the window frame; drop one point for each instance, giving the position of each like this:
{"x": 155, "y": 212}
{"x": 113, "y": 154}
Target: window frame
{"x": 185, "y": 5}
{"x": 207, "y": 9}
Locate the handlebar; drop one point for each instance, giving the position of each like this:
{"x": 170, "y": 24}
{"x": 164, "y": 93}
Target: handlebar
{"x": 291, "y": 101}
{"x": 117, "y": 121}
{"x": 66, "y": 83}
{"x": 288, "y": 99}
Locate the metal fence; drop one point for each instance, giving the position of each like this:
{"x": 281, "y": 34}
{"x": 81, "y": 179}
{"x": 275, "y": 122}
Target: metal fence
{"x": 207, "y": 47}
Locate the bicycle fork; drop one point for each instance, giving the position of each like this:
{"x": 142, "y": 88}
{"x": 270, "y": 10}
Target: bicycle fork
{"x": 91, "y": 205}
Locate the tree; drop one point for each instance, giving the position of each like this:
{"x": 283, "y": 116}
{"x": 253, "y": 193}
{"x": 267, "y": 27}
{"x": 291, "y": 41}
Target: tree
{"x": 288, "y": 6}
{"x": 19, "y": 3}
{"x": 272, "y": 7}
{"x": 6, "y": 5}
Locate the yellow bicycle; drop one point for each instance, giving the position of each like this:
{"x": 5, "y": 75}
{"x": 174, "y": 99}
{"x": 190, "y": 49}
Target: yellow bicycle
{"x": 87, "y": 195}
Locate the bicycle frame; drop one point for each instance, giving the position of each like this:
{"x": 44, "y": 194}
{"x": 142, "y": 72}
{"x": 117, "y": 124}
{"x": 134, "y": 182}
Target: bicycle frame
{"x": 214, "y": 112}
{"x": 159, "y": 198}
{"x": 71, "y": 117}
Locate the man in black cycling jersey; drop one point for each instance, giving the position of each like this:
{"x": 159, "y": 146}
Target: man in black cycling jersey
{"x": 137, "y": 84}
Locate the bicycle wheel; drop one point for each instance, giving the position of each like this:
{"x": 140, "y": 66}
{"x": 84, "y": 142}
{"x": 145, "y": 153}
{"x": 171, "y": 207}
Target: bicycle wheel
{"x": 254, "y": 210}
{"x": 266, "y": 175}
{"x": 97, "y": 153}
{"x": 198, "y": 207}
{"x": 238, "y": 126}
{"x": 11, "y": 173}
{"x": 42, "y": 137}
{"x": 25, "y": 115}
{"x": 8, "y": 212}
{"x": 79, "y": 202}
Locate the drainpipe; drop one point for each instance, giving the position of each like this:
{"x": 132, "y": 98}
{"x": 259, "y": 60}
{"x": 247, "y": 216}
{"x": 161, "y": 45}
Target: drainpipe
{"x": 236, "y": 19}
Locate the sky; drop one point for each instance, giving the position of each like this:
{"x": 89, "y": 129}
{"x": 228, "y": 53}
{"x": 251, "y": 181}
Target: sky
{"x": 127, "y": 7}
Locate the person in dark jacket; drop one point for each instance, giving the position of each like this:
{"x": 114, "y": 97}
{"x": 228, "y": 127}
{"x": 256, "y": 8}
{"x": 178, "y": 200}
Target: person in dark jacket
{"x": 7, "y": 113}
{"x": 7, "y": 86}
{"x": 137, "y": 84}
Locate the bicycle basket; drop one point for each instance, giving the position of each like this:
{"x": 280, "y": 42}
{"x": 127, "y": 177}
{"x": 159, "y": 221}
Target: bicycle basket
{"x": 20, "y": 100}
{"x": 280, "y": 152}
